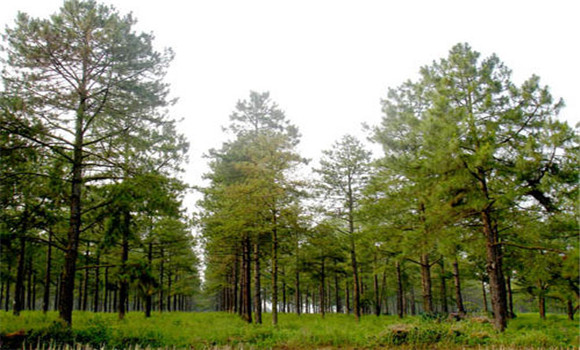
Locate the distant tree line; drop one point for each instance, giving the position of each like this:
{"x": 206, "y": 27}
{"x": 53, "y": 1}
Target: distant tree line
{"x": 477, "y": 184}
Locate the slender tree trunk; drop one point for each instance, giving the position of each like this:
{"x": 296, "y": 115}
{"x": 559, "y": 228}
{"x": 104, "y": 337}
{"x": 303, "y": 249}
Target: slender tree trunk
{"x": 484, "y": 294}
{"x": 97, "y": 285}
{"x": 161, "y": 272}
{"x": 257, "y": 288}
{"x": 57, "y": 292}
{"x": 169, "y": 275}
{"x": 86, "y": 286}
{"x": 356, "y": 285}
{"x": 346, "y": 297}
{"x": 106, "y": 300}
{"x": 458, "y": 296}
{"x": 377, "y": 294}
{"x": 284, "y": 305}
{"x": 542, "y": 301}
{"x": 46, "y": 295}
{"x": 19, "y": 287}
{"x": 444, "y": 306}
{"x": 511, "y": 313}
{"x": 246, "y": 281}
{"x": 149, "y": 292}
{"x": 7, "y": 300}
{"x": 124, "y": 279}
{"x": 30, "y": 284}
{"x": 236, "y": 273}
{"x": 383, "y": 297}
{"x": 322, "y": 293}
{"x": 274, "y": 270}
{"x": 570, "y": 309}
{"x": 426, "y": 283}
{"x": 65, "y": 307}
{"x": 412, "y": 302}
{"x": 400, "y": 306}
{"x": 337, "y": 291}
{"x": 297, "y": 300}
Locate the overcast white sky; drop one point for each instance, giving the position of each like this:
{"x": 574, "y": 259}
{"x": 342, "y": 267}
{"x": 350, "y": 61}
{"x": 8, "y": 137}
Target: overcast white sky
{"x": 328, "y": 63}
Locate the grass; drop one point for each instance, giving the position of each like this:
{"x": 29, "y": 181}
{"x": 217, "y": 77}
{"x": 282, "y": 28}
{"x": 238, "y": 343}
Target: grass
{"x": 222, "y": 330}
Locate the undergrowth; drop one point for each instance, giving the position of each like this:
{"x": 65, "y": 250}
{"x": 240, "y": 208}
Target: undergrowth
{"x": 222, "y": 330}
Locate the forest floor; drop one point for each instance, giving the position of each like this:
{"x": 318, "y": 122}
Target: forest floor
{"x": 214, "y": 330}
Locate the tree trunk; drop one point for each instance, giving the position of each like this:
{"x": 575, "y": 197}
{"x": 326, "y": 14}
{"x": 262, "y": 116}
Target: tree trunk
{"x": 384, "y": 298}
{"x": 346, "y": 297}
{"x": 377, "y": 294}
{"x": 46, "y": 295}
{"x": 458, "y": 296}
{"x": 30, "y": 284}
{"x": 246, "y": 281}
{"x": 274, "y": 271}
{"x": 542, "y": 301}
{"x": 444, "y": 306}
{"x": 511, "y": 313}
{"x": 257, "y": 288}
{"x": 356, "y": 285}
{"x": 484, "y": 294}
{"x": 236, "y": 275}
{"x": 124, "y": 279}
{"x": 337, "y": 291}
{"x": 494, "y": 270}
{"x": 400, "y": 305}
{"x": 570, "y": 309}
{"x": 19, "y": 287}
{"x": 97, "y": 285}
{"x": 161, "y": 272}
{"x": 7, "y": 286}
{"x": 297, "y": 300}
{"x": 169, "y": 275}
{"x": 106, "y": 300}
{"x": 86, "y": 286}
{"x": 67, "y": 286}
{"x": 426, "y": 284}
{"x": 322, "y": 292}
{"x": 149, "y": 292}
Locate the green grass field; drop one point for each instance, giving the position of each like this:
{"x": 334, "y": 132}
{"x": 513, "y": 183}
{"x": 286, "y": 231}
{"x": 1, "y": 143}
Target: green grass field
{"x": 222, "y": 330}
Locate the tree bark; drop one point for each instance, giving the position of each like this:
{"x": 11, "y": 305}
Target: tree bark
{"x": 19, "y": 286}
{"x": 86, "y": 286}
{"x": 494, "y": 266}
{"x": 511, "y": 313}
{"x": 337, "y": 290}
{"x": 65, "y": 307}
{"x": 426, "y": 284}
{"x": 322, "y": 292}
{"x": 570, "y": 309}
{"x": 246, "y": 281}
{"x": 400, "y": 306}
{"x": 124, "y": 279}
{"x": 458, "y": 296}
{"x": 274, "y": 270}
{"x": 46, "y": 295}
{"x": 297, "y": 300}
{"x": 257, "y": 288}
{"x": 149, "y": 293}
{"x": 444, "y": 306}
{"x": 377, "y": 295}
{"x": 356, "y": 285}
{"x": 161, "y": 272}
{"x": 97, "y": 285}
{"x": 484, "y": 295}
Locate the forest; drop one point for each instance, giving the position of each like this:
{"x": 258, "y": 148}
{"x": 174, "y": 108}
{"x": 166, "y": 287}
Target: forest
{"x": 467, "y": 215}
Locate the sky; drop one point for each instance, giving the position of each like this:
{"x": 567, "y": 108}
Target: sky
{"x": 328, "y": 64}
